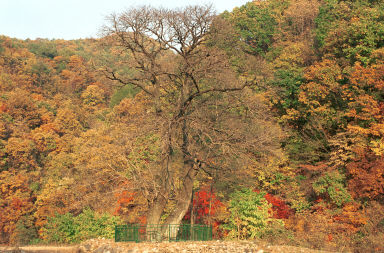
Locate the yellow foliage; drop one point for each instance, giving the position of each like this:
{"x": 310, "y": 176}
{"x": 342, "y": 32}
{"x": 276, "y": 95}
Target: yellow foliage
{"x": 21, "y": 152}
{"x": 93, "y": 95}
{"x": 377, "y": 146}
{"x": 67, "y": 121}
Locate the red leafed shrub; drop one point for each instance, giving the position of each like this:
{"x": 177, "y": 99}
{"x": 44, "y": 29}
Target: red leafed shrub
{"x": 280, "y": 209}
{"x": 131, "y": 206}
{"x": 143, "y": 219}
{"x": 205, "y": 206}
{"x": 123, "y": 199}
{"x": 207, "y": 209}
{"x": 3, "y": 107}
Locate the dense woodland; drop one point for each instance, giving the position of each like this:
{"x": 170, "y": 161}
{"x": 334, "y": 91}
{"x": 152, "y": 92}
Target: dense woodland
{"x": 266, "y": 122}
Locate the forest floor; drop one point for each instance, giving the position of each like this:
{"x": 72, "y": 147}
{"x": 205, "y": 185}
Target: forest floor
{"x": 109, "y": 246}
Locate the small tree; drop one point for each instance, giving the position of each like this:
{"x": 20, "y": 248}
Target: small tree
{"x": 249, "y": 214}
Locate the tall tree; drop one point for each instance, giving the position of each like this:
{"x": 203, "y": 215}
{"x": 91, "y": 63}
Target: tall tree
{"x": 192, "y": 100}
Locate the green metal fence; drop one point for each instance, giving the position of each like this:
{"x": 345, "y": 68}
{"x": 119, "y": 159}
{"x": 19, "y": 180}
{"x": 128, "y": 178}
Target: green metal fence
{"x": 157, "y": 232}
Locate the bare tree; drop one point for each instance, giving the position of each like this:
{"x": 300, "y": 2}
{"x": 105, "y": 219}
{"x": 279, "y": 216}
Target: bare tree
{"x": 197, "y": 98}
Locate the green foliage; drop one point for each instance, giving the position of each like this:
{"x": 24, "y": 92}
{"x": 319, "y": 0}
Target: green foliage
{"x": 41, "y": 72}
{"x": 66, "y": 228}
{"x": 288, "y": 64}
{"x": 127, "y": 91}
{"x": 303, "y": 151}
{"x": 93, "y": 225}
{"x": 332, "y": 184}
{"x": 61, "y": 229}
{"x": 350, "y": 30}
{"x": 249, "y": 217}
{"x": 43, "y": 48}
{"x": 256, "y": 25}
{"x": 48, "y": 107}
{"x": 380, "y": 224}
{"x": 6, "y": 117}
{"x": 289, "y": 83}
{"x": 300, "y": 203}
{"x": 327, "y": 15}
{"x": 25, "y": 232}
{"x": 40, "y": 68}
{"x": 60, "y": 67}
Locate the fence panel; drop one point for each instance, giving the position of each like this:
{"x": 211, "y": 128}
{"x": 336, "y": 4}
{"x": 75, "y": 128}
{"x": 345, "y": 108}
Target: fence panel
{"x": 158, "y": 232}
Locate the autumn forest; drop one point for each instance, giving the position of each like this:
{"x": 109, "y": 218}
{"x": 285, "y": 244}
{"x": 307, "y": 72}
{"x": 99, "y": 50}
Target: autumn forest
{"x": 266, "y": 122}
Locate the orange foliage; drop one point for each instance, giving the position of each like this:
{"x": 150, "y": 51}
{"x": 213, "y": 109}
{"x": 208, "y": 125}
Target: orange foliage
{"x": 3, "y": 107}
{"x": 366, "y": 107}
{"x": 351, "y": 218}
{"x": 366, "y": 176}
{"x": 123, "y": 200}
{"x": 40, "y": 112}
{"x": 76, "y": 77}
{"x": 309, "y": 168}
{"x": 16, "y": 201}
{"x": 131, "y": 206}
{"x": 21, "y": 153}
{"x": 22, "y": 108}
{"x": 45, "y": 141}
{"x": 68, "y": 121}
{"x": 323, "y": 86}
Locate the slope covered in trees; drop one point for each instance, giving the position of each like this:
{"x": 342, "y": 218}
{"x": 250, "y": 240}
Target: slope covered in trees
{"x": 265, "y": 122}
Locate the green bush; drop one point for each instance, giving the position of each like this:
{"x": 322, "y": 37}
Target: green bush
{"x": 92, "y": 225}
{"x": 332, "y": 185}
{"x": 66, "y": 228}
{"x": 25, "y": 232}
{"x": 249, "y": 217}
{"x": 61, "y": 229}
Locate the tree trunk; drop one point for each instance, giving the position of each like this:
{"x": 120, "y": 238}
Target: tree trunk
{"x": 153, "y": 218}
{"x": 182, "y": 204}
{"x": 210, "y": 207}
{"x": 192, "y": 211}
{"x": 156, "y": 210}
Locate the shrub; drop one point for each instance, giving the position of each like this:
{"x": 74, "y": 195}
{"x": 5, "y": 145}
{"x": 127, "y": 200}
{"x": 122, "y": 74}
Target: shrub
{"x": 332, "y": 186}
{"x": 249, "y": 215}
{"x": 66, "y": 228}
{"x": 279, "y": 208}
{"x": 25, "y": 232}
{"x": 61, "y": 229}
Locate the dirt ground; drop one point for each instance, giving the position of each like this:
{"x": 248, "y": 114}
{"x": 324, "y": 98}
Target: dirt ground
{"x": 109, "y": 246}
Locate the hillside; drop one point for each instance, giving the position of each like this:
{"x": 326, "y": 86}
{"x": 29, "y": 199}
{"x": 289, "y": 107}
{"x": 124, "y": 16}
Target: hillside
{"x": 265, "y": 122}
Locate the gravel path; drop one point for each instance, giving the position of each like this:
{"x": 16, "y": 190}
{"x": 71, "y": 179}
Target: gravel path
{"x": 109, "y": 246}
